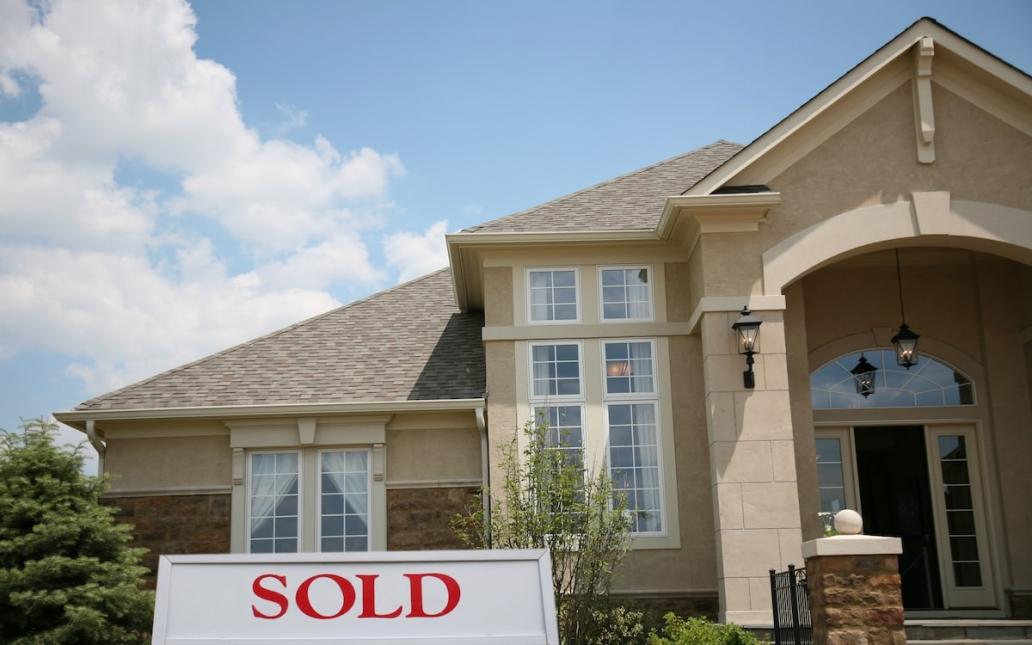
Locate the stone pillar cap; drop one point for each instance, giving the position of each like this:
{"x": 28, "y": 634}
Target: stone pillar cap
{"x": 852, "y": 545}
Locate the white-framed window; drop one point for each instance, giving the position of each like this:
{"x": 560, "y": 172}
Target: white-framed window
{"x": 564, "y": 431}
{"x": 625, "y": 293}
{"x": 274, "y": 502}
{"x": 633, "y": 431}
{"x": 552, "y": 295}
{"x": 555, "y": 371}
{"x": 344, "y": 488}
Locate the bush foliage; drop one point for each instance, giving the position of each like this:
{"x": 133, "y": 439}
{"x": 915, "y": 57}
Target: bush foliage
{"x": 67, "y": 573}
{"x": 548, "y": 502}
{"x": 698, "y": 631}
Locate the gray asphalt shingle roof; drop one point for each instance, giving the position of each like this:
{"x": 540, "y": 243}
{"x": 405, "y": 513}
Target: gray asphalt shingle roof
{"x": 406, "y": 343}
{"x": 630, "y": 202}
{"x": 410, "y": 342}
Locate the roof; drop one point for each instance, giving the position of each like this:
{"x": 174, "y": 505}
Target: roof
{"x": 630, "y": 202}
{"x": 399, "y": 344}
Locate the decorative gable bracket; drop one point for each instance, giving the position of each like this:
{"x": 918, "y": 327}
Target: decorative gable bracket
{"x": 924, "y": 115}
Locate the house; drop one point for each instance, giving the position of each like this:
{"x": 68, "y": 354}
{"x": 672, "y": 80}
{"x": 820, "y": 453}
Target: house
{"x": 901, "y": 195}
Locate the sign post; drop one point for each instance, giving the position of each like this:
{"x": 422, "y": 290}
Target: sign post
{"x": 389, "y": 598}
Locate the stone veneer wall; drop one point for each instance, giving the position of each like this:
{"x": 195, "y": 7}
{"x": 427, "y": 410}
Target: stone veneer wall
{"x": 856, "y": 599}
{"x": 167, "y": 524}
{"x": 418, "y": 519}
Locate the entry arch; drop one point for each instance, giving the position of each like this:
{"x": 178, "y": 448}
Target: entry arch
{"x": 928, "y": 219}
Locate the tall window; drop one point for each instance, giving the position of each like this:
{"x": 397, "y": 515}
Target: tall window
{"x": 274, "y": 503}
{"x": 626, "y": 294}
{"x": 632, "y": 422}
{"x": 553, "y": 295}
{"x": 344, "y": 500}
{"x": 557, "y": 397}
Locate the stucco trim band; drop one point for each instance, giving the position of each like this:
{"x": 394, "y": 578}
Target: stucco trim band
{"x": 169, "y": 490}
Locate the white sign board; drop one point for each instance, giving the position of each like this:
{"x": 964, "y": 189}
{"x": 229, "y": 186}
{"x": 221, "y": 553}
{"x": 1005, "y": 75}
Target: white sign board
{"x": 387, "y": 598}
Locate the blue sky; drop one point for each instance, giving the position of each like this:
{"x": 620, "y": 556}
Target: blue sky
{"x": 172, "y": 197}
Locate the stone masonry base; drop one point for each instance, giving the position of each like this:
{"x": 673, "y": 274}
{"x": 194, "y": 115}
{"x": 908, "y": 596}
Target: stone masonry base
{"x": 856, "y": 600}
{"x": 167, "y": 524}
{"x": 418, "y": 519}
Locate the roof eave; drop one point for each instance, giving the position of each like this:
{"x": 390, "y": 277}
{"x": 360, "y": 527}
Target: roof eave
{"x": 78, "y": 418}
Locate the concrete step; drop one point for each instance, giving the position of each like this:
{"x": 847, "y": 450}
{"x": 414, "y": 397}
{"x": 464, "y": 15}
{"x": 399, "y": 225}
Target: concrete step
{"x": 1013, "y": 632}
{"x": 967, "y": 641}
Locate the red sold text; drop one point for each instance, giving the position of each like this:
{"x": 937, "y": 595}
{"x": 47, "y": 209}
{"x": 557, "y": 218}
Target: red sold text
{"x": 275, "y": 590}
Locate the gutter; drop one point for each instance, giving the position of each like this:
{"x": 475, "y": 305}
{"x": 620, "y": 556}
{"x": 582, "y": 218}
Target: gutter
{"x": 81, "y": 419}
{"x": 485, "y": 472}
{"x": 98, "y": 445}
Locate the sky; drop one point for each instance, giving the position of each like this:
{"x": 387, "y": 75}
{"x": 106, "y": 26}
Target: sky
{"x": 176, "y": 178}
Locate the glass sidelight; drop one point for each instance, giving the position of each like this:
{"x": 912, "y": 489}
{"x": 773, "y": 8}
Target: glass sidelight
{"x": 960, "y": 516}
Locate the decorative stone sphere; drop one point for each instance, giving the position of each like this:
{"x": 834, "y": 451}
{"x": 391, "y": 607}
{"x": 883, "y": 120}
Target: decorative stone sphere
{"x": 848, "y": 522}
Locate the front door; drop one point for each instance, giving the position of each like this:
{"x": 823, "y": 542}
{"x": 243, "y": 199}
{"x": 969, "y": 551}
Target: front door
{"x": 921, "y": 484}
{"x": 896, "y": 498}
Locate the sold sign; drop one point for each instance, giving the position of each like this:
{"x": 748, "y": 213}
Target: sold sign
{"x": 425, "y": 597}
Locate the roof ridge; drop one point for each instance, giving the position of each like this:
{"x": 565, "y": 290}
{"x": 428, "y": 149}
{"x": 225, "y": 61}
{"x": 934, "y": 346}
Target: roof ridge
{"x": 247, "y": 343}
{"x": 606, "y": 182}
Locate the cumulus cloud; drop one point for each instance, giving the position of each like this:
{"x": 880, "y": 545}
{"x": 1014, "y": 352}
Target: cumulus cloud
{"x": 110, "y": 273}
{"x": 415, "y": 254}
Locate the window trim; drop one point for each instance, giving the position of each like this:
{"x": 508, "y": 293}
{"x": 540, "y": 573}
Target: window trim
{"x": 629, "y": 396}
{"x": 652, "y": 296}
{"x": 663, "y": 517}
{"x": 536, "y": 398}
{"x": 577, "y": 293}
{"x": 300, "y": 494}
{"x": 369, "y": 497}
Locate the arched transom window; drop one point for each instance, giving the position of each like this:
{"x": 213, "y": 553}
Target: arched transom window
{"x": 930, "y": 383}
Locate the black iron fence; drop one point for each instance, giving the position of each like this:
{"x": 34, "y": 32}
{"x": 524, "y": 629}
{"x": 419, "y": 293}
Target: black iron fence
{"x": 788, "y": 594}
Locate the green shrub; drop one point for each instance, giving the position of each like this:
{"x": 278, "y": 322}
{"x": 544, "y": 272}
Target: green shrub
{"x": 68, "y": 574}
{"x": 698, "y": 631}
{"x": 616, "y": 626}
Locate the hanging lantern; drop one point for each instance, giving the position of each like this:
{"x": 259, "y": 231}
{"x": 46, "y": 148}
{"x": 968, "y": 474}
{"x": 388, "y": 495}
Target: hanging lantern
{"x": 863, "y": 375}
{"x": 905, "y": 342}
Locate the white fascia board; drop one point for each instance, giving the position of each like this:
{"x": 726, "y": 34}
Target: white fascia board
{"x": 77, "y": 418}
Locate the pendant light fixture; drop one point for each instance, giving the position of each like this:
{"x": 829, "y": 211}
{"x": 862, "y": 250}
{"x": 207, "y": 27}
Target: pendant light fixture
{"x": 905, "y": 340}
{"x": 863, "y": 375}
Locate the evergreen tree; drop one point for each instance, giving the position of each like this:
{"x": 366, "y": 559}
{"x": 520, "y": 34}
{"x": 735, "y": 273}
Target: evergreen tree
{"x": 67, "y": 573}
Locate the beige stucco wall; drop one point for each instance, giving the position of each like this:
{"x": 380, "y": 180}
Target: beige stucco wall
{"x": 966, "y": 306}
{"x": 433, "y": 447}
{"x": 873, "y": 161}
{"x": 168, "y": 463}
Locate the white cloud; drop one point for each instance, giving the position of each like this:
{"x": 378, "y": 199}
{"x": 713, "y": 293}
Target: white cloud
{"x": 413, "y": 255}
{"x": 111, "y": 274}
{"x": 293, "y": 118}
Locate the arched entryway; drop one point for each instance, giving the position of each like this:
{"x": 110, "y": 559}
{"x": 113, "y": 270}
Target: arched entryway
{"x": 936, "y": 454}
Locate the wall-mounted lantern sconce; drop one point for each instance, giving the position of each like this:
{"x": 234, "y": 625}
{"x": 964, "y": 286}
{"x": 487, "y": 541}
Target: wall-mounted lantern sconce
{"x": 748, "y": 328}
{"x": 863, "y": 374}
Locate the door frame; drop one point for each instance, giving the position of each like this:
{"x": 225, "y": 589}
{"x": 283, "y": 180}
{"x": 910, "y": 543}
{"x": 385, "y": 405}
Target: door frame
{"x": 828, "y": 427}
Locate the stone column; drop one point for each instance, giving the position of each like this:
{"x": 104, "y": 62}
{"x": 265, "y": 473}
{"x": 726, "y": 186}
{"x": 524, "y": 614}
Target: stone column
{"x": 752, "y": 459}
{"x": 855, "y": 596}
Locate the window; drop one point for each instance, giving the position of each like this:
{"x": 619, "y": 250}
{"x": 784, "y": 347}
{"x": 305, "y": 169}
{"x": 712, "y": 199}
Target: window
{"x": 830, "y": 476}
{"x": 629, "y": 368}
{"x": 274, "y": 501}
{"x": 553, "y": 295}
{"x": 930, "y": 383}
{"x": 564, "y": 431}
{"x": 344, "y": 500}
{"x": 555, "y": 370}
{"x": 633, "y": 431}
{"x": 626, "y": 293}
